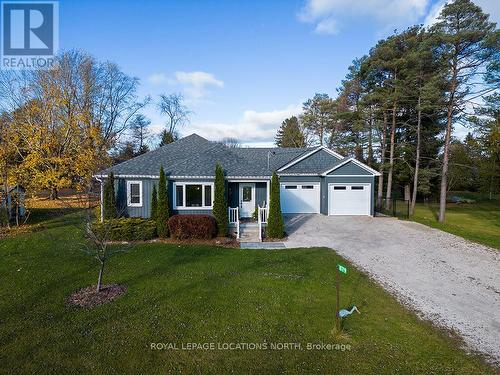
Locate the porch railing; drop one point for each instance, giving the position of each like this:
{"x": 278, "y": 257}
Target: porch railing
{"x": 234, "y": 218}
{"x": 263, "y": 213}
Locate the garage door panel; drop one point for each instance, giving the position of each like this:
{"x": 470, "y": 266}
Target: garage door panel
{"x": 300, "y": 198}
{"x": 349, "y": 199}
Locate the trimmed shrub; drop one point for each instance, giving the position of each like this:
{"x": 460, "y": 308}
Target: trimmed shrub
{"x": 154, "y": 203}
{"x": 192, "y": 226}
{"x": 163, "y": 211}
{"x": 126, "y": 229}
{"x": 109, "y": 203}
{"x": 4, "y": 217}
{"x": 275, "y": 226}
{"x": 220, "y": 204}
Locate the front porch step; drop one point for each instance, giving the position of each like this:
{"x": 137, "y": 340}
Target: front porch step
{"x": 249, "y": 232}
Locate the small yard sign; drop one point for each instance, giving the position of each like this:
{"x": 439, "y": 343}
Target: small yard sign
{"x": 342, "y": 268}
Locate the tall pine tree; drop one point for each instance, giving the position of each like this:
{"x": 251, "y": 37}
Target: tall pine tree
{"x": 290, "y": 134}
{"x": 466, "y": 42}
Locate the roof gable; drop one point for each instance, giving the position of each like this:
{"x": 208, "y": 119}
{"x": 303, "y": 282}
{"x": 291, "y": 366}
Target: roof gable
{"x": 316, "y": 161}
{"x": 351, "y": 167}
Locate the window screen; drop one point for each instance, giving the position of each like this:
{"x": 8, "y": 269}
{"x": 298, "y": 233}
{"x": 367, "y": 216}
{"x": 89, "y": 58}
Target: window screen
{"x": 135, "y": 193}
{"x": 179, "y": 195}
{"x": 208, "y": 195}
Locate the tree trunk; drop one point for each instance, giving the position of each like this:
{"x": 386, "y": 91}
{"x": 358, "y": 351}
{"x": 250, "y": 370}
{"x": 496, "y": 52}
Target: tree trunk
{"x": 446, "y": 156}
{"x": 99, "y": 280}
{"x": 54, "y": 194}
{"x": 391, "y": 159}
{"x": 370, "y": 140}
{"x": 417, "y": 159}
{"x": 380, "y": 192}
{"x": 407, "y": 192}
{"x": 444, "y": 172}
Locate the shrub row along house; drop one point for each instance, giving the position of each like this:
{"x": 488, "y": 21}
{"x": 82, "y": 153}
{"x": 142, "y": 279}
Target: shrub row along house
{"x": 312, "y": 180}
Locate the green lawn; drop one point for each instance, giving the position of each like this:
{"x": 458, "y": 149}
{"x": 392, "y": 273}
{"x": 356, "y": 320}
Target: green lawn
{"x": 185, "y": 294}
{"x": 479, "y": 222}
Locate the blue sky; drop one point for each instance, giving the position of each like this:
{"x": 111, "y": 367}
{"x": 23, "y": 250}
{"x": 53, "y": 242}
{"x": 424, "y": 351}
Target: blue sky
{"x": 243, "y": 66}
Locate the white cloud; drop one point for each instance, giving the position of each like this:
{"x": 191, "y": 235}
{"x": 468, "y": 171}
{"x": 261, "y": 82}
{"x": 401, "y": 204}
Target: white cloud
{"x": 327, "y": 26}
{"x": 328, "y": 14}
{"x": 194, "y": 84}
{"x": 253, "y": 128}
{"x": 157, "y": 79}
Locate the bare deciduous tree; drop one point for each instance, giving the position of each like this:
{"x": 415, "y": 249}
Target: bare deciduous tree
{"x": 177, "y": 113}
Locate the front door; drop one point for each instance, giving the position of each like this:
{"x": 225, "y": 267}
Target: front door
{"x": 247, "y": 199}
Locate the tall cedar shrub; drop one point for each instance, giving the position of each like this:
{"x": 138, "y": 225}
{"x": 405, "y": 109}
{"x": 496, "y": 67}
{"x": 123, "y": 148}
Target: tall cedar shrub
{"x": 109, "y": 198}
{"x": 163, "y": 211}
{"x": 154, "y": 203}
{"x": 220, "y": 203}
{"x": 275, "y": 226}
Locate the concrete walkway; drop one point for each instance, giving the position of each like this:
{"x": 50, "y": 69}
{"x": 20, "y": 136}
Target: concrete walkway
{"x": 447, "y": 279}
{"x": 262, "y": 245}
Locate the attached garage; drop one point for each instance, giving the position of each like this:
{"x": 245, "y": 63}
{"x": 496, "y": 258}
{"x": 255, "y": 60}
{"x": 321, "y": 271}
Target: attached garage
{"x": 300, "y": 198}
{"x": 349, "y": 199}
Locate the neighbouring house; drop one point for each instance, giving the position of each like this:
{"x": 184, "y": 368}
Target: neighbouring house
{"x": 13, "y": 200}
{"x": 313, "y": 180}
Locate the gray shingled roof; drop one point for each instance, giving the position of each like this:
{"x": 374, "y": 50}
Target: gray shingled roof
{"x": 196, "y": 156}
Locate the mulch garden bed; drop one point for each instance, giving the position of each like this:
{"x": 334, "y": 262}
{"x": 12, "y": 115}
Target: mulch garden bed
{"x": 217, "y": 241}
{"x": 88, "y": 297}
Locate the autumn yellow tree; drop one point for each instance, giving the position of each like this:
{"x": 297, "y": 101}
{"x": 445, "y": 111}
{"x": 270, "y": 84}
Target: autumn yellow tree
{"x": 66, "y": 119}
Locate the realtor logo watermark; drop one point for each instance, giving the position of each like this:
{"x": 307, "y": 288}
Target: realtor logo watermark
{"x": 30, "y": 34}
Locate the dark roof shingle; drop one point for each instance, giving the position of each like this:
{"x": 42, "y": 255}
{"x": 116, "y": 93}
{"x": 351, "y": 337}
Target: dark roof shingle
{"x": 196, "y": 156}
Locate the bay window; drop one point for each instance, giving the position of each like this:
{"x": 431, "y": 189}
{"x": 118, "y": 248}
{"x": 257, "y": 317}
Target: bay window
{"x": 193, "y": 195}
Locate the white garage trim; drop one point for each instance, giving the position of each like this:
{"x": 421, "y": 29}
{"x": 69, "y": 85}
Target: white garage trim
{"x": 350, "y": 203}
{"x": 300, "y": 197}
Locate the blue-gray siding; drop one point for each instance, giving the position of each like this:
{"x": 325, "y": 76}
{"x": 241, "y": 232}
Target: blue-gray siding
{"x": 318, "y": 162}
{"x": 234, "y": 193}
{"x": 232, "y": 189}
{"x": 350, "y": 168}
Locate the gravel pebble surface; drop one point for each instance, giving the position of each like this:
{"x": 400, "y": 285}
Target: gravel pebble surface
{"x": 445, "y": 278}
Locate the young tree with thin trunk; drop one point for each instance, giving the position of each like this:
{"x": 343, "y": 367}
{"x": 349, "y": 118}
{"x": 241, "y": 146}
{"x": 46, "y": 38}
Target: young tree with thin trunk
{"x": 466, "y": 42}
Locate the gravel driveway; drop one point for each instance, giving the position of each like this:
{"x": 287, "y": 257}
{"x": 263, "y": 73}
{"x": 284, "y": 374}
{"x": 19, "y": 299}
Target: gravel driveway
{"x": 447, "y": 279}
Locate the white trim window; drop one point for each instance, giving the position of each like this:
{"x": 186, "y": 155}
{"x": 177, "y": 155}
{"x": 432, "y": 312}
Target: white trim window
{"x": 193, "y": 195}
{"x": 134, "y": 193}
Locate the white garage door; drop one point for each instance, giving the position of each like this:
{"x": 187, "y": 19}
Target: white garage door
{"x": 300, "y": 198}
{"x": 349, "y": 199}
